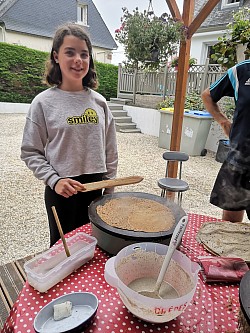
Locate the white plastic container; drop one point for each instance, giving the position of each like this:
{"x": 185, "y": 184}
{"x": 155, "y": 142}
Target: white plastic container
{"x": 50, "y": 267}
{"x": 141, "y": 260}
{"x": 195, "y": 130}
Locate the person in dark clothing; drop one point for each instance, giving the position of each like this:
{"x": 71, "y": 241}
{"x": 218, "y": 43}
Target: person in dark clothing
{"x": 231, "y": 190}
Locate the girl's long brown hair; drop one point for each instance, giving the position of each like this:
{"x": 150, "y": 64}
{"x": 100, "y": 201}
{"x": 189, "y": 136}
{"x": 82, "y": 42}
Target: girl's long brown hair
{"x": 53, "y": 75}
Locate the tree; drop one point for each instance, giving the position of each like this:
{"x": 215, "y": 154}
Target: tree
{"x": 238, "y": 32}
{"x": 148, "y": 40}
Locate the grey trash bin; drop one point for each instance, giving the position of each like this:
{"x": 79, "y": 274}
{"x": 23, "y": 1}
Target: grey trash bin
{"x": 196, "y": 126}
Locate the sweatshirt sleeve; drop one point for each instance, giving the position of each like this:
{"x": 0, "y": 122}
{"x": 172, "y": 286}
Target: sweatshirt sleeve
{"x": 111, "y": 149}
{"x": 33, "y": 146}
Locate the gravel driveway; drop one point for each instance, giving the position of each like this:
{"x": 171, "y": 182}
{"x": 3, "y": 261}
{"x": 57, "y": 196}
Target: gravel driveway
{"x": 23, "y": 221}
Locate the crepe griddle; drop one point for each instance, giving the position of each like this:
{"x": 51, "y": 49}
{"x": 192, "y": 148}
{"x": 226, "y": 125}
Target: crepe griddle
{"x": 112, "y": 239}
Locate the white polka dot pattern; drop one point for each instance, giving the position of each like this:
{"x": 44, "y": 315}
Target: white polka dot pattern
{"x": 214, "y": 307}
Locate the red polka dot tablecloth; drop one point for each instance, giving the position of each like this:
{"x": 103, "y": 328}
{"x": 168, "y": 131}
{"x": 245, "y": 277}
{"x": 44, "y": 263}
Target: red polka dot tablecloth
{"x": 213, "y": 309}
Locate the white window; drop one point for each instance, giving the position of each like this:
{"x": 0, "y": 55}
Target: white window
{"x": 82, "y": 14}
{"x": 230, "y": 3}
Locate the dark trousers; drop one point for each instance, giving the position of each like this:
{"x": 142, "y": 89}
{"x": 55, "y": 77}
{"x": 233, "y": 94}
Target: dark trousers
{"x": 231, "y": 189}
{"x": 73, "y": 211}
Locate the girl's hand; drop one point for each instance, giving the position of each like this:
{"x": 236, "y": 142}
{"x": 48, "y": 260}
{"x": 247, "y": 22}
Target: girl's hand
{"x": 67, "y": 187}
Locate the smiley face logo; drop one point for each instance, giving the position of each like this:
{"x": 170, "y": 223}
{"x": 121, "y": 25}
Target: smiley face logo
{"x": 91, "y": 116}
{"x": 90, "y": 112}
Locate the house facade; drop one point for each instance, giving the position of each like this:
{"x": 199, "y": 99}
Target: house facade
{"x": 213, "y": 27}
{"x": 33, "y": 24}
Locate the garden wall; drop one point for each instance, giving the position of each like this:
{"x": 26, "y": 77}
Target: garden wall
{"x": 13, "y": 107}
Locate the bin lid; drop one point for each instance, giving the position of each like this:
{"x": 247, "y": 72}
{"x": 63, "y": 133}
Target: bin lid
{"x": 199, "y": 113}
{"x": 167, "y": 109}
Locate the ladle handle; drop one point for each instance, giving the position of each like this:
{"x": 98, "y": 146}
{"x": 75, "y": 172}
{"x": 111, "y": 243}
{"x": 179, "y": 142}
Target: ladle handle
{"x": 175, "y": 239}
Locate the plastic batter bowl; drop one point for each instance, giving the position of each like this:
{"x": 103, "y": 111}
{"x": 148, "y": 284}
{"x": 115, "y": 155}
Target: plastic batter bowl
{"x": 144, "y": 260}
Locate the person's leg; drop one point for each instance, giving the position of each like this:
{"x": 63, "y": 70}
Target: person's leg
{"x": 72, "y": 211}
{"x": 53, "y": 199}
{"x": 232, "y": 216}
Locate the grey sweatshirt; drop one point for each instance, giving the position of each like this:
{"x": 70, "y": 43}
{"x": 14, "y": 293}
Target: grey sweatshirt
{"x": 68, "y": 134}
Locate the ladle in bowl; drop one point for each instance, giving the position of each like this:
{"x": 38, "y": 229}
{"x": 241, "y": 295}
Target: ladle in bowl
{"x": 174, "y": 242}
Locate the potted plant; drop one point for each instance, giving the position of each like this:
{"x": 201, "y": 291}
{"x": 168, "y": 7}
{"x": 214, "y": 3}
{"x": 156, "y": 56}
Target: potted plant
{"x": 166, "y": 104}
{"x": 193, "y": 101}
{"x": 148, "y": 40}
{"x": 192, "y": 61}
{"x": 236, "y": 38}
{"x": 174, "y": 62}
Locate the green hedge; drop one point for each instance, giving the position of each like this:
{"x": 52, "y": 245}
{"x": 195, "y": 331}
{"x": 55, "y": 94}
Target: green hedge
{"x": 21, "y": 74}
{"x": 108, "y": 78}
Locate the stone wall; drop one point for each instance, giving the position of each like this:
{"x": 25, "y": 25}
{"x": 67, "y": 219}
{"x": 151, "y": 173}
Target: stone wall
{"x": 148, "y": 101}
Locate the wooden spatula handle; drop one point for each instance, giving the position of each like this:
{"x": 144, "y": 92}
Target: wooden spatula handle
{"x": 60, "y": 231}
{"x": 110, "y": 183}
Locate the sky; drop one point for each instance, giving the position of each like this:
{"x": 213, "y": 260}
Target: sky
{"x": 111, "y": 12}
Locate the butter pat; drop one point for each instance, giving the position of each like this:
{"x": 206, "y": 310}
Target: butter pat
{"x": 62, "y": 310}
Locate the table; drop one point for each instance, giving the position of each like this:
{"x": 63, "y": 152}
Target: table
{"x": 214, "y": 308}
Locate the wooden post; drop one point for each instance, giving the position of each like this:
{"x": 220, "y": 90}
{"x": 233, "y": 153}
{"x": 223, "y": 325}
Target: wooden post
{"x": 119, "y": 79}
{"x": 134, "y": 85}
{"x": 181, "y": 84}
{"x": 204, "y": 76}
{"x": 165, "y": 82}
{"x": 190, "y": 27}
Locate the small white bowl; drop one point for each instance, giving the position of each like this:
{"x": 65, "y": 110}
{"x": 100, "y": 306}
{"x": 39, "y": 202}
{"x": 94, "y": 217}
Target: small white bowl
{"x": 84, "y": 307}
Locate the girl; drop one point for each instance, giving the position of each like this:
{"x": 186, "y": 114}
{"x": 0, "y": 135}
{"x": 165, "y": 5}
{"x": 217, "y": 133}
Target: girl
{"x": 69, "y": 137}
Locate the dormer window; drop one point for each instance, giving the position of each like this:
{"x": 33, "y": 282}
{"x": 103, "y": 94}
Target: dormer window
{"x": 230, "y": 3}
{"x": 82, "y": 14}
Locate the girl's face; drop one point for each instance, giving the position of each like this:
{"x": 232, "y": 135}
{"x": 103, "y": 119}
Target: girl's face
{"x": 73, "y": 58}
